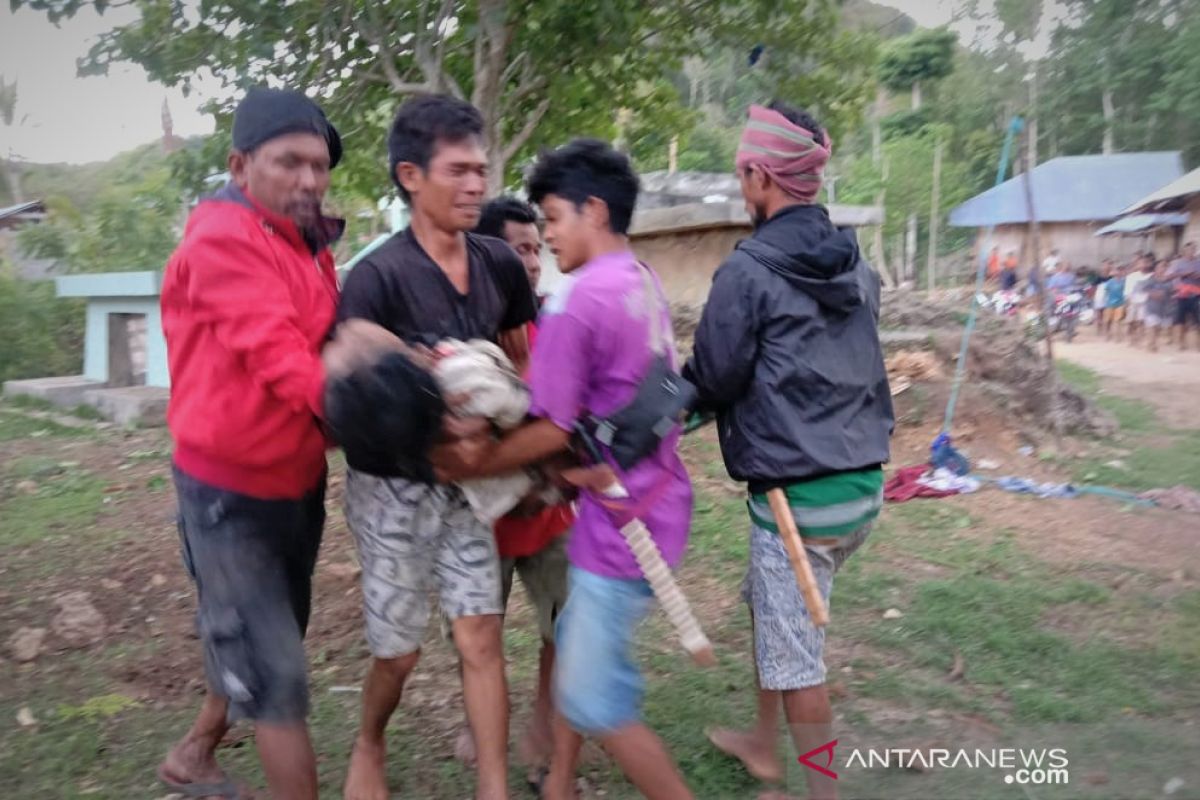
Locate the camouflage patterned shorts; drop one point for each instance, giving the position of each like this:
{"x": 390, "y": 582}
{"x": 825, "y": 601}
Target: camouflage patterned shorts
{"x": 415, "y": 538}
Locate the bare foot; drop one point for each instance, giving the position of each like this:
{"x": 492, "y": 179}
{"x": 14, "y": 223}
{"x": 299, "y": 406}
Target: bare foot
{"x": 536, "y": 745}
{"x": 759, "y": 758}
{"x": 464, "y": 746}
{"x": 367, "y": 777}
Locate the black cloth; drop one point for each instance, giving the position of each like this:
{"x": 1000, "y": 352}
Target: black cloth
{"x": 252, "y": 562}
{"x": 787, "y": 353}
{"x": 400, "y": 287}
{"x": 266, "y": 113}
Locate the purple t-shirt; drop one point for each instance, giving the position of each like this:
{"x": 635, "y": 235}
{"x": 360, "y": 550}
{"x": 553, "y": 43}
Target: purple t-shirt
{"x": 593, "y": 349}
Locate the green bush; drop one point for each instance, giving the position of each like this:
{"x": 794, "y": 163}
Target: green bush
{"x": 43, "y": 334}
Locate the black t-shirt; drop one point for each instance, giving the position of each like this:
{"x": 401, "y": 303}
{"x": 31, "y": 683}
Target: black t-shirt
{"x": 399, "y": 287}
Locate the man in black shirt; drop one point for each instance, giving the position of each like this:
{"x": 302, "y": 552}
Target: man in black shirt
{"x": 431, "y": 282}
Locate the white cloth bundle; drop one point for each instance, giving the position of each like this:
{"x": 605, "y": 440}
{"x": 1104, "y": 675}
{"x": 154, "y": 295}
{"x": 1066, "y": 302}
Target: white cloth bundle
{"x": 479, "y": 371}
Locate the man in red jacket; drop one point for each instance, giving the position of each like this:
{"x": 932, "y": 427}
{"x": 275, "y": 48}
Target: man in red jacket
{"x": 248, "y": 299}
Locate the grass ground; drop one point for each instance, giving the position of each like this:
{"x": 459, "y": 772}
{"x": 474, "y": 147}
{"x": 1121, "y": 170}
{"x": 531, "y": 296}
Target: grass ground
{"x": 1146, "y": 452}
{"x": 1002, "y": 639}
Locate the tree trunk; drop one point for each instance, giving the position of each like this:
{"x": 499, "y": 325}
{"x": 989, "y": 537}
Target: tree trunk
{"x": 916, "y": 96}
{"x": 876, "y": 126}
{"x": 1036, "y": 269}
{"x": 934, "y": 215}
{"x": 1106, "y": 102}
{"x": 497, "y": 164}
{"x": 12, "y": 176}
{"x": 1032, "y": 143}
{"x": 910, "y": 249}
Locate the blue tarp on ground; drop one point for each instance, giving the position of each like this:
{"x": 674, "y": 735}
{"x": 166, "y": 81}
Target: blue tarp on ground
{"x": 1073, "y": 189}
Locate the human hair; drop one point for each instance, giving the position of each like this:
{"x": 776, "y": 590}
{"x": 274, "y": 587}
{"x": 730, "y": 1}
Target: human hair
{"x": 587, "y": 168}
{"x": 798, "y": 116}
{"x": 422, "y": 123}
{"x": 389, "y": 411}
{"x": 501, "y": 210}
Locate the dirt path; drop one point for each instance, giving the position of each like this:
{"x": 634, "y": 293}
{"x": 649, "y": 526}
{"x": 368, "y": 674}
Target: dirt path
{"x": 1169, "y": 379}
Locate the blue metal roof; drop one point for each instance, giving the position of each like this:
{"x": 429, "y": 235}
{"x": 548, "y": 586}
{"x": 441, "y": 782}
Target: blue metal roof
{"x": 1072, "y": 189}
{"x": 1140, "y": 223}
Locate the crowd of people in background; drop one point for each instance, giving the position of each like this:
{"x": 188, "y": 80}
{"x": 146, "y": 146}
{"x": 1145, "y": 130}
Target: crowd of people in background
{"x": 1141, "y": 301}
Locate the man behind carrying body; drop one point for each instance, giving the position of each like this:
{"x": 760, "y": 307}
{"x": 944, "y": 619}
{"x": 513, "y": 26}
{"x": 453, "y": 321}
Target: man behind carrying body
{"x": 787, "y": 352}
{"x": 248, "y": 299}
{"x": 430, "y": 282}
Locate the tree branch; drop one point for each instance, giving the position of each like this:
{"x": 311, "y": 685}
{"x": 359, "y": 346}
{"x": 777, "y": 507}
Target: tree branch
{"x": 386, "y": 57}
{"x": 522, "y": 136}
{"x": 439, "y": 56}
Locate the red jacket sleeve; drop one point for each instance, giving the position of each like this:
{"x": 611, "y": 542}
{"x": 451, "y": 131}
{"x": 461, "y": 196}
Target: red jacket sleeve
{"x": 235, "y": 287}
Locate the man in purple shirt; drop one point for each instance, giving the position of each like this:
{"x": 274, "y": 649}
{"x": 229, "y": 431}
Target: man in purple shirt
{"x": 594, "y": 348}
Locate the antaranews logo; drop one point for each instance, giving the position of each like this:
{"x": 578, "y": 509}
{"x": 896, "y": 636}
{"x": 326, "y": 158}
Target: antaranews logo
{"x": 827, "y": 748}
{"x": 1022, "y": 766}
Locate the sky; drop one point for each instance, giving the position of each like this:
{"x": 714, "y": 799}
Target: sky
{"x": 73, "y": 119}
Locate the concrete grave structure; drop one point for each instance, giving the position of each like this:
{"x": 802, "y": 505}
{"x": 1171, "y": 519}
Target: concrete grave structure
{"x": 124, "y": 353}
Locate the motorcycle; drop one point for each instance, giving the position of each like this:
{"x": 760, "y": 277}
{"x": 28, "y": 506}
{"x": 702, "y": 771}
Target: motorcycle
{"x": 1004, "y": 302}
{"x": 1066, "y": 311}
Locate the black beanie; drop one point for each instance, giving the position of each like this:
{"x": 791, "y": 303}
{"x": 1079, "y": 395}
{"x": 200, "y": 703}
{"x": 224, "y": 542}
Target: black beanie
{"x": 266, "y": 113}
{"x": 386, "y": 414}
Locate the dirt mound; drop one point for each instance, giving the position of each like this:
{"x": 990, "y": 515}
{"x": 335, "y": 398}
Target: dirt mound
{"x": 1001, "y": 357}
{"x": 1015, "y": 371}
{"x": 902, "y": 309}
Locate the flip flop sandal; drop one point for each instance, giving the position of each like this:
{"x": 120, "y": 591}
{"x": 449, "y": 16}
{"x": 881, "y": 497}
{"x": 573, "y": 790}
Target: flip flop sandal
{"x": 226, "y": 789}
{"x": 535, "y": 779}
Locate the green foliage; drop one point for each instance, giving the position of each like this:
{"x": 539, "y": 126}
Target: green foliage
{"x": 909, "y": 181}
{"x": 1143, "y": 53}
{"x": 925, "y": 55}
{"x": 43, "y": 334}
{"x": 541, "y": 71}
{"x": 905, "y": 123}
{"x": 81, "y": 184}
{"x": 128, "y": 226}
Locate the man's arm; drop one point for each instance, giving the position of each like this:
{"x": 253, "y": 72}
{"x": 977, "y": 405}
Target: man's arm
{"x": 520, "y": 305}
{"x": 515, "y": 344}
{"x": 558, "y": 377}
{"x": 249, "y": 306}
{"x": 726, "y": 341}
{"x": 479, "y": 457}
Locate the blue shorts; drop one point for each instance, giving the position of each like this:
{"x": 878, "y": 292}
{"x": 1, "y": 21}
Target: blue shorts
{"x": 597, "y": 686}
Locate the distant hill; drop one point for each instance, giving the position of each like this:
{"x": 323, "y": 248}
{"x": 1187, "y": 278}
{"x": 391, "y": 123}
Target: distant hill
{"x": 864, "y": 15}
{"x": 80, "y": 183}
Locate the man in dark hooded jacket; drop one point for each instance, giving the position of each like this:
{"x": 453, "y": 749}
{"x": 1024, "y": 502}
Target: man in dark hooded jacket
{"x": 787, "y": 353}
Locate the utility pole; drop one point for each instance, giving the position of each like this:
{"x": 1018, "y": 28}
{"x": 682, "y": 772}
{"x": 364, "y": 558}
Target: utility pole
{"x": 1035, "y": 246}
{"x": 934, "y": 211}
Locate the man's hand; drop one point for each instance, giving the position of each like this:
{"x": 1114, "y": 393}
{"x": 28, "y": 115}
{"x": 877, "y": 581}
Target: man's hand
{"x": 461, "y": 458}
{"x": 455, "y": 427}
{"x": 597, "y": 478}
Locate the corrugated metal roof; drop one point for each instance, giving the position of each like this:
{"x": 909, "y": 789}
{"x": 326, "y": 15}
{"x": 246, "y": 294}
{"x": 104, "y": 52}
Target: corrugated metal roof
{"x": 1176, "y": 190}
{"x": 1140, "y": 223}
{"x": 22, "y": 208}
{"x": 1072, "y": 189}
